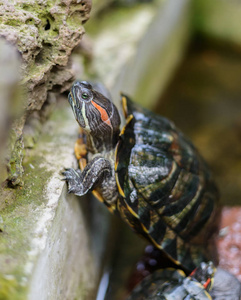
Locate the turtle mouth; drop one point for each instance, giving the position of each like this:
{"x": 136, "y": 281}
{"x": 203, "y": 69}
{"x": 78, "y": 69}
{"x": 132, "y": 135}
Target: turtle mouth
{"x": 73, "y": 96}
{"x": 73, "y": 103}
{"x": 70, "y": 99}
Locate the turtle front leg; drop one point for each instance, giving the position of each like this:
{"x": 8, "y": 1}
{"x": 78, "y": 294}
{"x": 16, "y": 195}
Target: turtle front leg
{"x": 80, "y": 183}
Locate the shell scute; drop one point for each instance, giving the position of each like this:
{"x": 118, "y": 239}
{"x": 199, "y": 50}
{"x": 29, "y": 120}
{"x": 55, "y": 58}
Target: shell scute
{"x": 166, "y": 183}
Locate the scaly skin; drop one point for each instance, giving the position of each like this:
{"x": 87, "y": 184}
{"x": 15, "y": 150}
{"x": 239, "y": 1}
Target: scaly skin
{"x": 170, "y": 284}
{"x": 100, "y": 121}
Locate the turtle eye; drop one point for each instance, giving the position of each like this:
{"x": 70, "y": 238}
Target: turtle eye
{"x": 85, "y": 96}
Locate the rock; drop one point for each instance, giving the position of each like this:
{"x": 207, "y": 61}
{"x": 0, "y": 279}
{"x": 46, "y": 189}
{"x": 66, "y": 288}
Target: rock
{"x": 225, "y": 286}
{"x": 229, "y": 240}
{"x": 44, "y": 33}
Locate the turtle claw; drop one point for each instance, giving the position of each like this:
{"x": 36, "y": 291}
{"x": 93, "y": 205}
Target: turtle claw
{"x": 74, "y": 180}
{"x": 71, "y": 190}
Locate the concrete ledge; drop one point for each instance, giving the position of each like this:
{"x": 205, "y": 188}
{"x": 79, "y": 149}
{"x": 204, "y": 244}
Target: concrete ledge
{"x": 45, "y": 250}
{"x": 65, "y": 269}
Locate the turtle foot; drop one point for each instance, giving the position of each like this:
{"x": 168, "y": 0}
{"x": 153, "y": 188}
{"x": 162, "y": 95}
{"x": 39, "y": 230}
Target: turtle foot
{"x": 74, "y": 181}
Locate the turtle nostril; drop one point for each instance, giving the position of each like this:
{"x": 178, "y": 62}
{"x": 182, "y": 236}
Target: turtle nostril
{"x": 76, "y": 85}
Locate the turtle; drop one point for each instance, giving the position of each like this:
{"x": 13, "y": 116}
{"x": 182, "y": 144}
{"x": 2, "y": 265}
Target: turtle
{"x": 205, "y": 282}
{"x": 149, "y": 173}
{"x": 169, "y": 284}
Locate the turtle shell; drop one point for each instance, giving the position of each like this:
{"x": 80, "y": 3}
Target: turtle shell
{"x": 160, "y": 280}
{"x": 167, "y": 192}
{"x": 169, "y": 284}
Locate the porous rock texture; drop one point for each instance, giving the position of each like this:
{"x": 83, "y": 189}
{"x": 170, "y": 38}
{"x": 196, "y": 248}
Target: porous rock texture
{"x": 44, "y": 33}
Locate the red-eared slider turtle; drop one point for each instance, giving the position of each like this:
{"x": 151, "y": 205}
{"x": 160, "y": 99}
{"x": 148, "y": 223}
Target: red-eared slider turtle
{"x": 149, "y": 173}
{"x": 170, "y": 284}
{"x": 205, "y": 282}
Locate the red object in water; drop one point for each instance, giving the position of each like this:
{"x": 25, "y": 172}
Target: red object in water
{"x": 229, "y": 241}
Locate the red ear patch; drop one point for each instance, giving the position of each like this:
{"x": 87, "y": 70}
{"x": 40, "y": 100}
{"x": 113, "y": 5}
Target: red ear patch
{"x": 206, "y": 284}
{"x": 103, "y": 113}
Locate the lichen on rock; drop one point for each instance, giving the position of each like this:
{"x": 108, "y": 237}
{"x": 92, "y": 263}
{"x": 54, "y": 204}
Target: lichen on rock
{"x": 44, "y": 33}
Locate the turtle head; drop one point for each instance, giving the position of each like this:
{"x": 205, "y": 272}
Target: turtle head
{"x": 96, "y": 114}
{"x": 204, "y": 274}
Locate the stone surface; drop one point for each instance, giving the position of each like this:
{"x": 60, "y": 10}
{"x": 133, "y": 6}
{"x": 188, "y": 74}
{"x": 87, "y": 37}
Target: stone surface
{"x": 44, "y": 33}
{"x": 46, "y": 250}
{"x": 229, "y": 242}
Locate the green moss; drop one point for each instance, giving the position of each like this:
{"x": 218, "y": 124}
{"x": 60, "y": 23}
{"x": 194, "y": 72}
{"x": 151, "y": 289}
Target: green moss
{"x": 18, "y": 223}
{"x": 21, "y": 201}
{"x": 23, "y": 207}
{"x": 15, "y": 169}
{"x": 13, "y": 22}
{"x": 40, "y": 51}
{"x": 10, "y": 289}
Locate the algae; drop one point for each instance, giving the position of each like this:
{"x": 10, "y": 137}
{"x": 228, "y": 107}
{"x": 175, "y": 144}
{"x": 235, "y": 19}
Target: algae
{"x": 23, "y": 207}
{"x": 14, "y": 165}
{"x": 44, "y": 41}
